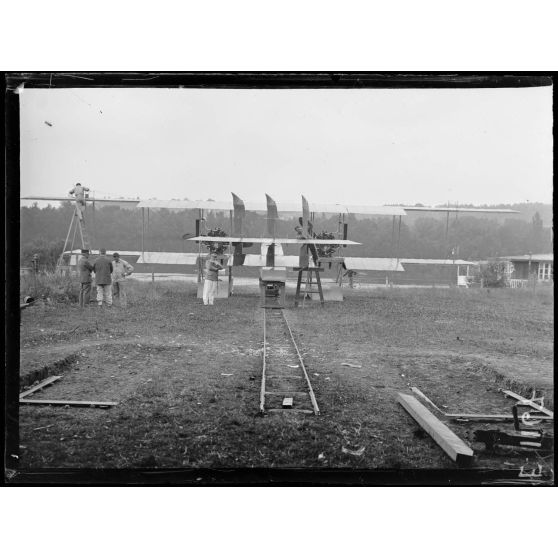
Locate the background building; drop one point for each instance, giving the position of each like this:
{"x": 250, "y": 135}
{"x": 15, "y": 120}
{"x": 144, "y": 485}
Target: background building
{"x": 519, "y": 269}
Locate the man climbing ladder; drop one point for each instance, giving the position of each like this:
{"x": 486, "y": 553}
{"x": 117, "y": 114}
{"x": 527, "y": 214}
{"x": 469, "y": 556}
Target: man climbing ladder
{"x": 77, "y": 222}
{"x": 79, "y": 191}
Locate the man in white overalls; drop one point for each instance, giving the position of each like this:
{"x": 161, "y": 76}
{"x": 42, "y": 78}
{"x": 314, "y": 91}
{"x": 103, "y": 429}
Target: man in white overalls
{"x": 79, "y": 191}
{"x": 212, "y": 267}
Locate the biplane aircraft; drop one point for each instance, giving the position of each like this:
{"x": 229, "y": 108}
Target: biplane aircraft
{"x": 309, "y": 259}
{"x": 271, "y": 253}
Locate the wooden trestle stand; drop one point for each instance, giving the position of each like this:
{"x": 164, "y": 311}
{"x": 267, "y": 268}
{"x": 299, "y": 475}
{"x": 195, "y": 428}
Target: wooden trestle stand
{"x": 308, "y": 283}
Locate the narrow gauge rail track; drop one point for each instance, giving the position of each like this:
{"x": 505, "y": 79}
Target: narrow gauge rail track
{"x": 284, "y": 375}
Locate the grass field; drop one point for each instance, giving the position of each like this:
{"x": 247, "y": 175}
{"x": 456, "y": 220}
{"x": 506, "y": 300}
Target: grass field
{"x": 163, "y": 359}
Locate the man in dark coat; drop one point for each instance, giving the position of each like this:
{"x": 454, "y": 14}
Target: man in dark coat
{"x": 103, "y": 270}
{"x": 85, "y": 269}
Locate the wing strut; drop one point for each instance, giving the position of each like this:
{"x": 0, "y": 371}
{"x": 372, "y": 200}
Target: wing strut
{"x": 239, "y": 211}
{"x": 398, "y": 238}
{"x": 307, "y": 232}
{"x": 272, "y": 216}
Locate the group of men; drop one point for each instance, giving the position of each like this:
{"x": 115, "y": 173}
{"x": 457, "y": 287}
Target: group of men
{"x": 110, "y": 277}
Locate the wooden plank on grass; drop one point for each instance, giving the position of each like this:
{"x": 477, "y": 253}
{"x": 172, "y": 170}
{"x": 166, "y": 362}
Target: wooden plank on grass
{"x": 301, "y": 411}
{"x": 43, "y": 384}
{"x": 454, "y": 447}
{"x": 490, "y": 418}
{"x": 525, "y": 401}
{"x": 418, "y": 392}
{"x": 69, "y": 403}
{"x": 287, "y": 393}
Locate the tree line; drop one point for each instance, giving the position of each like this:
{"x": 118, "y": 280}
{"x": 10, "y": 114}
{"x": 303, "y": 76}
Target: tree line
{"x": 43, "y": 231}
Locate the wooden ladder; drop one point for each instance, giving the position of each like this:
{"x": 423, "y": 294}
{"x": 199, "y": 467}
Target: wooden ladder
{"x": 308, "y": 284}
{"x": 77, "y": 222}
{"x": 82, "y": 229}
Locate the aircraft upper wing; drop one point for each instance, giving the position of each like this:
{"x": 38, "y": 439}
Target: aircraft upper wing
{"x": 356, "y": 209}
{"x": 72, "y": 199}
{"x": 188, "y": 204}
{"x": 282, "y": 207}
{"x": 227, "y": 239}
{"x": 460, "y": 209}
{"x": 294, "y": 207}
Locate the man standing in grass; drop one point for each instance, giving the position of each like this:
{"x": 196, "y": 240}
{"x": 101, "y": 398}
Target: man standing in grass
{"x": 120, "y": 269}
{"x": 103, "y": 271}
{"x": 212, "y": 267}
{"x": 85, "y": 269}
{"x": 351, "y": 274}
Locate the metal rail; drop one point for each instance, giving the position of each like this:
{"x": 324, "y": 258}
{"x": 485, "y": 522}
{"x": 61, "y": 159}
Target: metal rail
{"x": 303, "y": 376}
{"x": 262, "y": 390}
{"x": 306, "y": 377}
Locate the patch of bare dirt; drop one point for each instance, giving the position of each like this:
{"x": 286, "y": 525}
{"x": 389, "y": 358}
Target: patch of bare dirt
{"x": 186, "y": 378}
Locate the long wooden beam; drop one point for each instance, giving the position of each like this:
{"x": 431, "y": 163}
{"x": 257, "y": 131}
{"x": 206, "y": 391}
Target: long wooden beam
{"x": 291, "y": 410}
{"x": 419, "y": 393}
{"x": 287, "y": 393}
{"x": 69, "y": 403}
{"x": 44, "y": 383}
{"x": 454, "y": 447}
{"x": 489, "y": 418}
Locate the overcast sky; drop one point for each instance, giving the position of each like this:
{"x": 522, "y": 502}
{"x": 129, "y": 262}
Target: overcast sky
{"x": 371, "y": 147}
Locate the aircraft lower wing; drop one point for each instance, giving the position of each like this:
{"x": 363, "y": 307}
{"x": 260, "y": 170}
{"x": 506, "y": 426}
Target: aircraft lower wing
{"x": 257, "y": 260}
{"x": 435, "y": 262}
{"x": 168, "y": 258}
{"x": 374, "y": 264}
{"x": 368, "y": 264}
{"x": 123, "y": 253}
{"x": 176, "y": 258}
{"x": 255, "y": 240}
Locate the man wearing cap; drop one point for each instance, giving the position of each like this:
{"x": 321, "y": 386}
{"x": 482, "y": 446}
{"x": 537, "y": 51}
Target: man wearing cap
{"x": 120, "y": 269}
{"x": 103, "y": 270}
{"x": 79, "y": 191}
{"x": 85, "y": 269}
